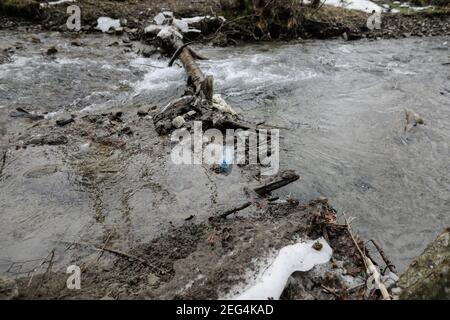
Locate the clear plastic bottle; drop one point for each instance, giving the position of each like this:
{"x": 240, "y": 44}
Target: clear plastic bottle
{"x": 227, "y": 159}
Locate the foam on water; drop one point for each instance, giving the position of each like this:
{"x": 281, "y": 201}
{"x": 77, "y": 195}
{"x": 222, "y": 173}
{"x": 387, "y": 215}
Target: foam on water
{"x": 159, "y": 76}
{"x": 239, "y": 74}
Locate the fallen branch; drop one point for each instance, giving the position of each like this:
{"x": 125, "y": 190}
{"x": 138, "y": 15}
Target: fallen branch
{"x": 131, "y": 257}
{"x": 175, "y": 108}
{"x": 183, "y": 53}
{"x": 121, "y": 253}
{"x": 114, "y": 251}
{"x": 284, "y": 179}
{"x": 177, "y": 53}
{"x": 234, "y": 210}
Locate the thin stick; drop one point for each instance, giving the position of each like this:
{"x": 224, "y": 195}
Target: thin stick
{"x": 129, "y": 256}
{"x": 234, "y": 210}
{"x": 3, "y": 162}
{"x": 370, "y": 267}
{"x": 51, "y": 254}
{"x": 104, "y": 246}
{"x": 349, "y": 228}
{"x": 330, "y": 291}
{"x": 386, "y": 260}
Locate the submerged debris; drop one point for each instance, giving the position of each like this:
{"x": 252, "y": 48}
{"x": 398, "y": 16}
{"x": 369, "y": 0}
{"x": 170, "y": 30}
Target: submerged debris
{"x": 413, "y": 119}
{"x": 22, "y": 113}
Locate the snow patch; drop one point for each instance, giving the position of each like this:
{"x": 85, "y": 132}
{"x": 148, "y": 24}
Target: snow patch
{"x": 361, "y": 5}
{"x": 159, "y": 19}
{"x": 169, "y": 31}
{"x": 298, "y": 257}
{"x": 183, "y": 26}
{"x": 55, "y": 3}
{"x": 105, "y": 24}
{"x": 165, "y": 20}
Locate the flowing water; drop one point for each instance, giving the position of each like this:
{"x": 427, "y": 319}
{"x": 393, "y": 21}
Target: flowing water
{"x": 340, "y": 106}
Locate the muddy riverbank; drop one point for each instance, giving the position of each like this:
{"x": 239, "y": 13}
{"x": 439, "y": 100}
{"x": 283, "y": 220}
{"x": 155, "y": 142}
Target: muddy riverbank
{"x": 282, "y": 21}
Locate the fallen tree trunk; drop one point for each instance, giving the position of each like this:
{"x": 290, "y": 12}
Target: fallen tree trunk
{"x": 201, "y": 84}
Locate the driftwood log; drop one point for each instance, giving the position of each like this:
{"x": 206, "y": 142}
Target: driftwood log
{"x": 202, "y": 85}
{"x": 199, "y": 94}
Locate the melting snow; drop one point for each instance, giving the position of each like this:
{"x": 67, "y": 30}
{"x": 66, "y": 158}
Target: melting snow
{"x": 55, "y": 3}
{"x": 362, "y": 5}
{"x": 105, "y": 23}
{"x": 298, "y": 257}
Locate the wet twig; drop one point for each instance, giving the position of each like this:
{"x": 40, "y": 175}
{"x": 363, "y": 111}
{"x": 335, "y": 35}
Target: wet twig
{"x": 131, "y": 257}
{"x": 349, "y": 229}
{"x": 51, "y": 255}
{"x": 284, "y": 179}
{"x": 330, "y": 291}
{"x": 386, "y": 260}
{"x": 3, "y": 162}
{"x": 234, "y": 210}
{"x": 370, "y": 267}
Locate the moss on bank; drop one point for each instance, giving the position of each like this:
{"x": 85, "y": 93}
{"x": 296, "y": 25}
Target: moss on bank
{"x": 428, "y": 277}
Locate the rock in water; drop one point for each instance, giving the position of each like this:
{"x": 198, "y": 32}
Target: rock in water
{"x": 8, "y": 289}
{"x": 76, "y": 43}
{"x": 52, "y": 50}
{"x": 4, "y": 57}
{"x": 413, "y": 118}
{"x": 63, "y": 121}
{"x": 178, "y": 122}
{"x": 428, "y": 278}
{"x": 143, "y": 111}
{"x": 35, "y": 38}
